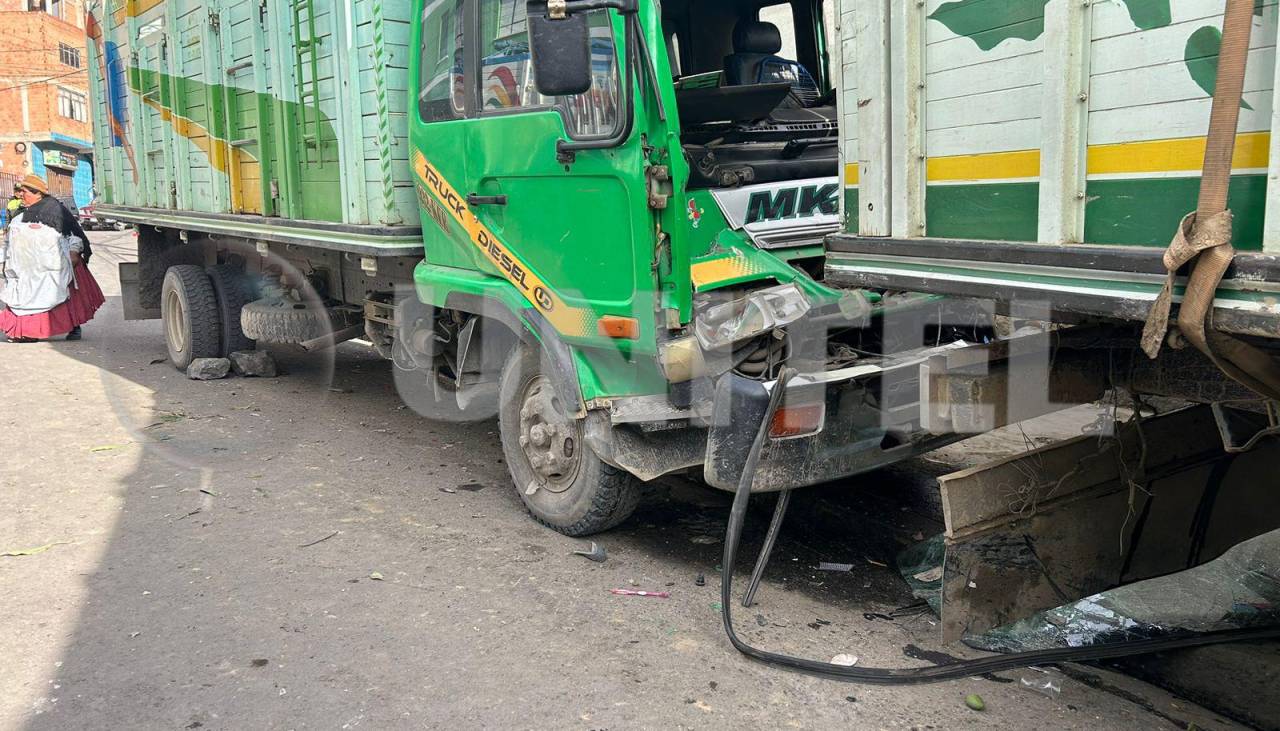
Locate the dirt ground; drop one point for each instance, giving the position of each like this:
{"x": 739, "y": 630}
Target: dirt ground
{"x": 305, "y": 552}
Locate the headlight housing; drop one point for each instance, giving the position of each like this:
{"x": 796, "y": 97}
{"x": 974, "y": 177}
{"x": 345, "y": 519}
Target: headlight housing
{"x": 757, "y": 313}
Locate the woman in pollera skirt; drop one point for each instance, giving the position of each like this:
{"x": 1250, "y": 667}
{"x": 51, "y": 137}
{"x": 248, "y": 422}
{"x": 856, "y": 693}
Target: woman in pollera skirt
{"x": 46, "y": 282}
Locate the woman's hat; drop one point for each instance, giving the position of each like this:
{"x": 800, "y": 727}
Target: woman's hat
{"x": 35, "y": 183}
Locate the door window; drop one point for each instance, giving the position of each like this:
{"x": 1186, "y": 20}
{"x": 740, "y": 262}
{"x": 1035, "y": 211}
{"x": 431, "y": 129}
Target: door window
{"x": 506, "y": 71}
{"x": 443, "y": 84}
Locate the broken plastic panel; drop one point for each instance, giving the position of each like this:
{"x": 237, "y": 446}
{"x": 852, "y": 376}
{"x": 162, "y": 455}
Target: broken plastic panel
{"x": 921, "y": 567}
{"x": 723, "y": 325}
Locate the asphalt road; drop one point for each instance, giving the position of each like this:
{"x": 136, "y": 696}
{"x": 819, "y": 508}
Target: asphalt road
{"x": 305, "y": 552}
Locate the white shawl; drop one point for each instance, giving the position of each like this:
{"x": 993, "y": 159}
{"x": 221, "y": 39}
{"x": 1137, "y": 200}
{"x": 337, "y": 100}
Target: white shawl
{"x": 37, "y": 268}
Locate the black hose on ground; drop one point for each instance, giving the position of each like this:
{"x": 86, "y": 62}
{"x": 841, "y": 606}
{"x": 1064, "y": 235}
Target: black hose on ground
{"x": 936, "y": 673}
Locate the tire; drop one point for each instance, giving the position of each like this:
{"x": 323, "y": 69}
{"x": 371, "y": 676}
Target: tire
{"x": 284, "y": 321}
{"x": 234, "y": 290}
{"x": 189, "y": 311}
{"x": 585, "y": 498}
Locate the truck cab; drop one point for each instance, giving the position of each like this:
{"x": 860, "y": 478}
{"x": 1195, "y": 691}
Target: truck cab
{"x": 623, "y": 209}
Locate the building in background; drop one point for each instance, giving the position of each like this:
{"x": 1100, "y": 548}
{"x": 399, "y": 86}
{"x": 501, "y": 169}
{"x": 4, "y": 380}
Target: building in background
{"x": 44, "y": 97}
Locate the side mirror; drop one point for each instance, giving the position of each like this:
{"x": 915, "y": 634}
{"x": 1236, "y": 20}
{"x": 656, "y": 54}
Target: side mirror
{"x": 561, "y": 52}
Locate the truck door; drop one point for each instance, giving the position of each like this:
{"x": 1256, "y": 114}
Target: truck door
{"x": 574, "y": 225}
{"x": 438, "y": 129}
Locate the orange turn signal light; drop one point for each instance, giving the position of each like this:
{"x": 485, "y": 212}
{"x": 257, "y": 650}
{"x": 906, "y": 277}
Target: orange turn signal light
{"x": 797, "y": 421}
{"x": 622, "y": 328}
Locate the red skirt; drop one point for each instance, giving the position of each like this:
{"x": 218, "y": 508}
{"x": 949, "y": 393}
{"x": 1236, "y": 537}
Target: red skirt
{"x": 86, "y": 297}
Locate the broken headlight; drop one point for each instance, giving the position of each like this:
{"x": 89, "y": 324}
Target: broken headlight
{"x": 759, "y": 312}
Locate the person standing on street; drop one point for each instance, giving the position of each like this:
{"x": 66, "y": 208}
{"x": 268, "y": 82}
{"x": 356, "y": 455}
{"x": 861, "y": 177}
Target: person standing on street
{"x": 44, "y": 258}
{"x": 12, "y": 208}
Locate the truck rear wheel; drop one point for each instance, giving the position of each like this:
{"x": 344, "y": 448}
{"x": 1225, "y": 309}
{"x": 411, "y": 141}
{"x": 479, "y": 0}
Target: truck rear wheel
{"x": 562, "y": 482}
{"x": 189, "y": 311}
{"x": 234, "y": 291}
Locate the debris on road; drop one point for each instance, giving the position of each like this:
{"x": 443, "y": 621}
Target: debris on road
{"x": 253, "y": 364}
{"x": 974, "y": 701}
{"x": 595, "y": 552}
{"x": 700, "y": 580}
{"x": 108, "y": 448}
{"x": 845, "y": 659}
{"x": 376, "y": 576}
{"x": 705, "y": 540}
{"x": 1046, "y": 683}
{"x": 448, "y": 490}
{"x": 634, "y": 592}
{"x": 208, "y": 369}
{"x": 17, "y": 553}
{"x": 841, "y": 567}
{"x": 321, "y": 540}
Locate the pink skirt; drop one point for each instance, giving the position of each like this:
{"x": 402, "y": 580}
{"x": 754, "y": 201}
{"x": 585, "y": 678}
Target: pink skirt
{"x": 86, "y": 297}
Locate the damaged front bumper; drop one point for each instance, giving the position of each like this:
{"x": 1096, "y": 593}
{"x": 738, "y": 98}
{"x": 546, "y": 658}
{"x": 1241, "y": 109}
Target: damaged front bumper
{"x": 869, "y": 418}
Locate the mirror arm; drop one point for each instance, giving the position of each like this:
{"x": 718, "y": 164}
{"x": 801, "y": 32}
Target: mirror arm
{"x": 561, "y": 9}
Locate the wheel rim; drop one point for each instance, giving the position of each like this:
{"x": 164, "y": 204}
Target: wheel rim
{"x": 550, "y": 440}
{"x": 174, "y": 316}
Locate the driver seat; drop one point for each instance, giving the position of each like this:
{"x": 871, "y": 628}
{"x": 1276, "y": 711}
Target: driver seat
{"x": 753, "y": 43}
{"x": 753, "y": 61}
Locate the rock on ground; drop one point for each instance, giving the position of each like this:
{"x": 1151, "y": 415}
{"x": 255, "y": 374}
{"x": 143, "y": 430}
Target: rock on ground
{"x": 253, "y": 363}
{"x": 208, "y": 369}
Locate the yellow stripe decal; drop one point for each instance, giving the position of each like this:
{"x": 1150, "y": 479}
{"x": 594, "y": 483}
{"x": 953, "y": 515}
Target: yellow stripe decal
{"x": 1125, "y": 158}
{"x": 994, "y": 166}
{"x": 851, "y": 173}
{"x": 1163, "y": 156}
{"x": 710, "y": 272}
{"x": 132, "y": 9}
{"x": 565, "y": 319}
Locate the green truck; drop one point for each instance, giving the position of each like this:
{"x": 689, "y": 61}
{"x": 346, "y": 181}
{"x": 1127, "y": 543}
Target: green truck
{"x": 602, "y": 221}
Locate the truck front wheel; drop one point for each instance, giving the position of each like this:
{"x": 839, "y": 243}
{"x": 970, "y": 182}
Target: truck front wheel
{"x": 560, "y": 479}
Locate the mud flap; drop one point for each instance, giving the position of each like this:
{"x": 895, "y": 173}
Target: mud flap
{"x": 130, "y": 294}
{"x": 738, "y": 407}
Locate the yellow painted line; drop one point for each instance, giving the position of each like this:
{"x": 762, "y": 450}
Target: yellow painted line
{"x": 721, "y": 269}
{"x": 991, "y": 166}
{"x": 1185, "y": 154}
{"x": 563, "y": 317}
{"x": 851, "y": 173}
{"x": 133, "y": 8}
{"x": 1164, "y": 156}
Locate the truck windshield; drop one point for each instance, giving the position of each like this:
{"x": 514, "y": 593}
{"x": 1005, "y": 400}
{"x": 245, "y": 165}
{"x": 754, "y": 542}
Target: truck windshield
{"x": 753, "y": 86}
